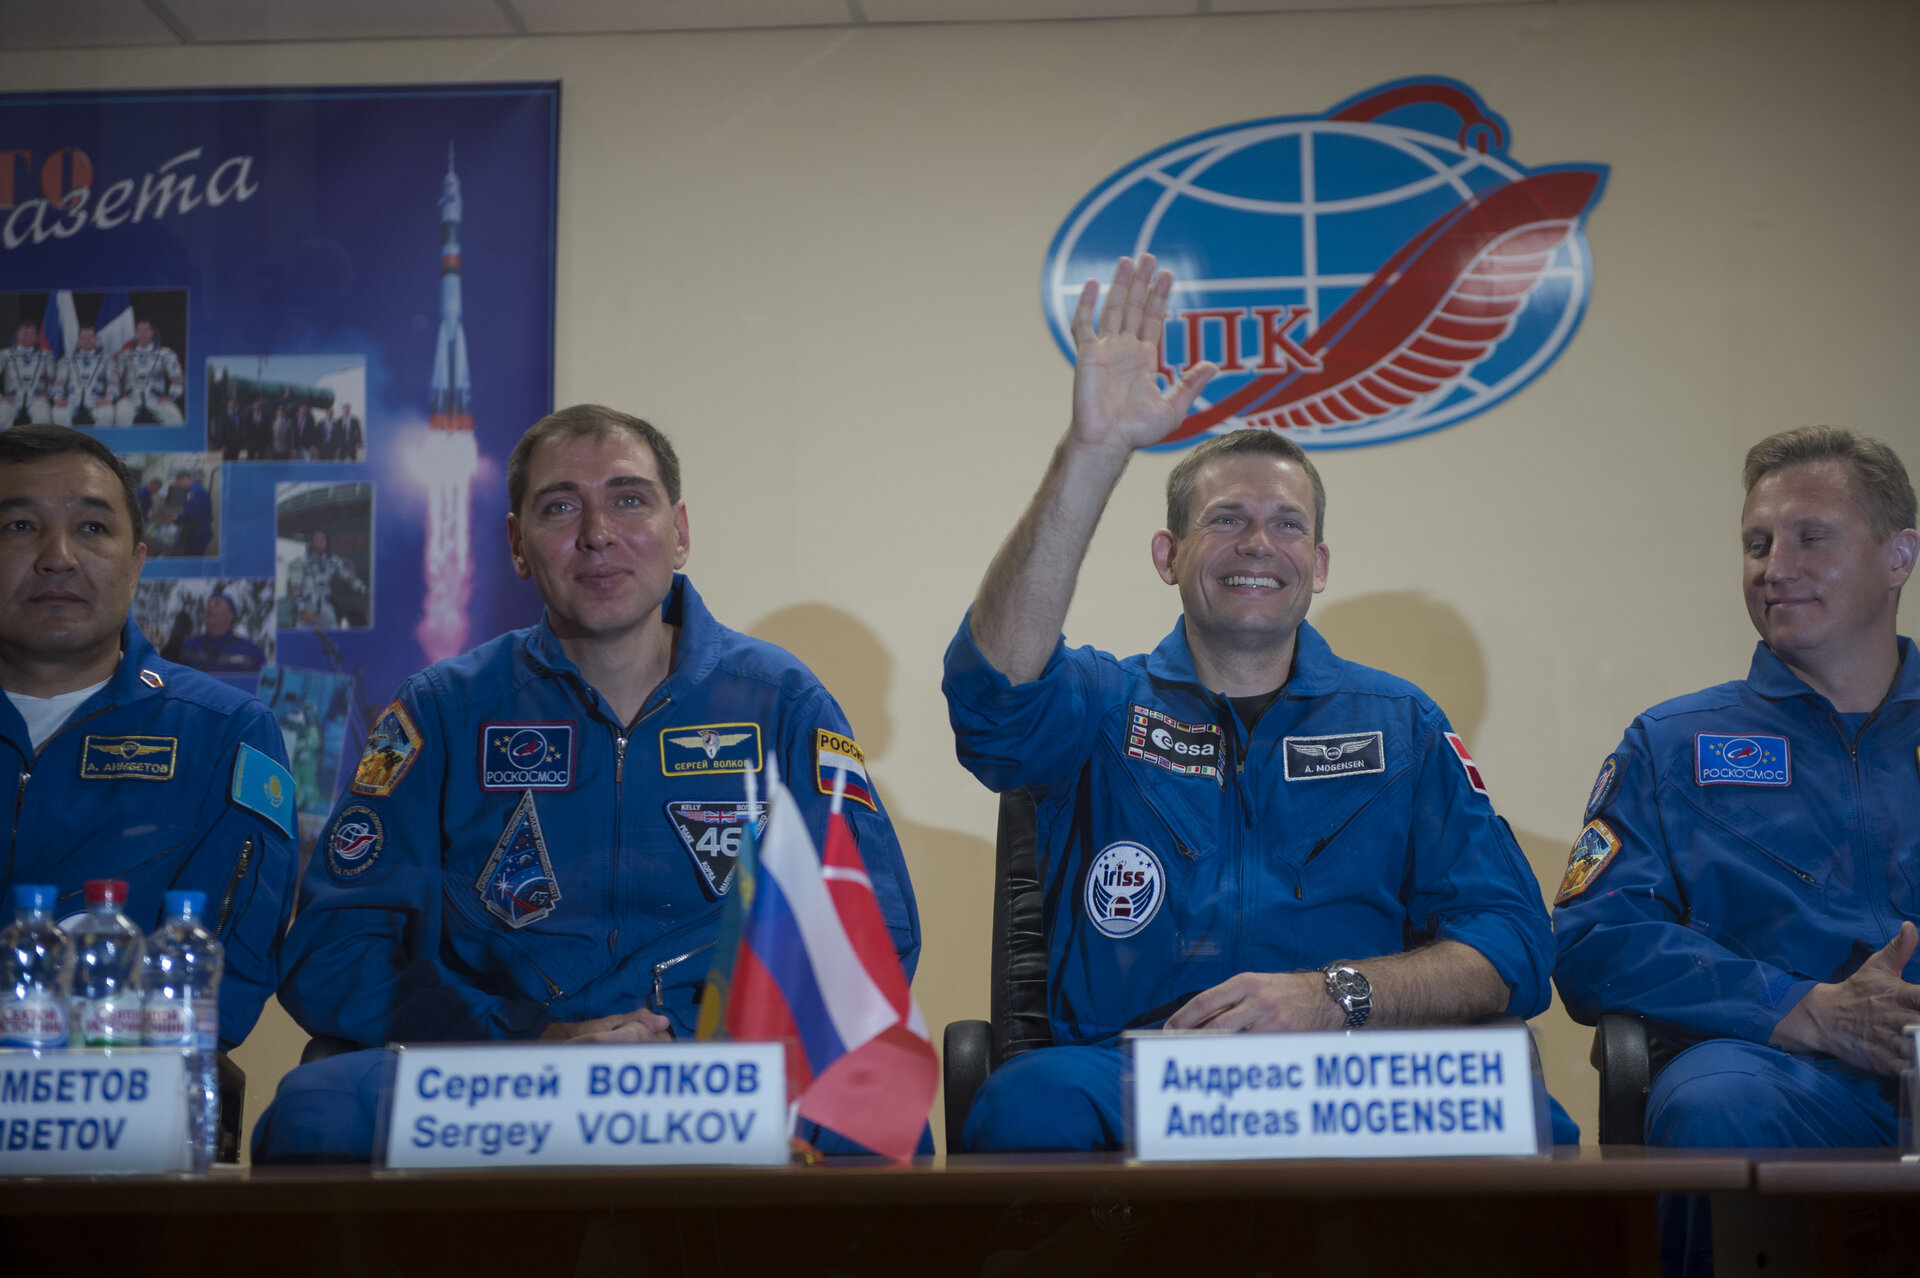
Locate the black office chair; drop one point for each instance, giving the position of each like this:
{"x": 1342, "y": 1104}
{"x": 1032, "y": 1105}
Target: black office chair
{"x": 1623, "y": 1055}
{"x": 1018, "y": 999}
{"x": 233, "y": 1095}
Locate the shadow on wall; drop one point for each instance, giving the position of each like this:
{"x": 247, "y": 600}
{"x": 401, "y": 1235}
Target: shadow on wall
{"x": 1428, "y": 642}
{"x": 952, "y": 870}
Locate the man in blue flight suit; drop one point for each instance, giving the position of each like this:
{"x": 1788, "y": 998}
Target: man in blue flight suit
{"x": 539, "y": 837}
{"x": 127, "y": 766}
{"x": 1239, "y": 830}
{"x": 194, "y": 524}
{"x": 218, "y": 649}
{"x": 1749, "y": 876}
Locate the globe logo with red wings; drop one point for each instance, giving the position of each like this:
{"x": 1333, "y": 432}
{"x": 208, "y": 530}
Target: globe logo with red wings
{"x": 1380, "y": 271}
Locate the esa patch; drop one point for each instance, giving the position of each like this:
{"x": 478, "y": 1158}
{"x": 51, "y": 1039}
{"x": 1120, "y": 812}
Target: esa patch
{"x": 354, "y": 842}
{"x": 393, "y": 743}
{"x": 129, "y": 758}
{"x": 526, "y": 756}
{"x": 1591, "y": 852}
{"x": 1467, "y": 764}
{"x": 709, "y": 747}
{"x": 713, "y": 832}
{"x": 1185, "y": 749}
{"x": 262, "y": 786}
{"x": 1724, "y": 758}
{"x": 835, "y": 756}
{"x": 1343, "y": 754}
{"x": 1125, "y": 886}
{"x": 517, "y": 883}
{"x": 1603, "y": 784}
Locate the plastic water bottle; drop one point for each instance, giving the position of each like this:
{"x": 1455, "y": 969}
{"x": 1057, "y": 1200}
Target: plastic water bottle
{"x": 36, "y": 971}
{"x": 183, "y": 1010}
{"x": 107, "y": 952}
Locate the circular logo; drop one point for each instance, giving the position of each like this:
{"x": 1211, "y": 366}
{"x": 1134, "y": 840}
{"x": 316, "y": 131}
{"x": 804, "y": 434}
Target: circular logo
{"x": 1124, "y": 887}
{"x": 1380, "y": 271}
{"x": 1741, "y": 753}
{"x": 1162, "y": 738}
{"x": 526, "y": 749}
{"x": 355, "y": 841}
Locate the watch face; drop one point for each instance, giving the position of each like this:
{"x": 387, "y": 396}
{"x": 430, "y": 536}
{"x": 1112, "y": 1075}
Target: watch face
{"x": 1347, "y": 983}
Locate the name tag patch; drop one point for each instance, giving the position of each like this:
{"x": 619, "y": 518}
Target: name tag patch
{"x": 709, "y": 747}
{"x": 1185, "y": 749}
{"x": 1125, "y": 886}
{"x": 713, "y": 833}
{"x": 1725, "y": 758}
{"x": 526, "y": 756}
{"x": 835, "y": 755}
{"x": 517, "y": 884}
{"x": 1342, "y": 754}
{"x": 393, "y": 743}
{"x": 1591, "y": 852}
{"x": 128, "y": 758}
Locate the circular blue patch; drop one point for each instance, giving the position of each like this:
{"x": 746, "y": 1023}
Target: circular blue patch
{"x": 1125, "y": 886}
{"x": 354, "y": 841}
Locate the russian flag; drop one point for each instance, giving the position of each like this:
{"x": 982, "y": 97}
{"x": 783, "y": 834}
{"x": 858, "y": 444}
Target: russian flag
{"x": 817, "y": 969}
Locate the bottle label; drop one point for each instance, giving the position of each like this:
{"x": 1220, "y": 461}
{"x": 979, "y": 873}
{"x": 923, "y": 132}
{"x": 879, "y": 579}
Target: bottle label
{"x": 169, "y": 1022}
{"x": 38, "y": 1020}
{"x": 107, "y": 1022}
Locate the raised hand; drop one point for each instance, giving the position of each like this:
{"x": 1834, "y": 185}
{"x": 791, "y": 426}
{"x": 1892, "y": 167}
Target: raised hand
{"x": 1117, "y": 402}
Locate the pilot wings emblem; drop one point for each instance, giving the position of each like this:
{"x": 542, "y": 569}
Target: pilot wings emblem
{"x": 710, "y": 741}
{"x": 1331, "y": 753}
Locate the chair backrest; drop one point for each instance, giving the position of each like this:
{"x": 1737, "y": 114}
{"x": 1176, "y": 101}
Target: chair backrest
{"x": 1018, "y": 1003}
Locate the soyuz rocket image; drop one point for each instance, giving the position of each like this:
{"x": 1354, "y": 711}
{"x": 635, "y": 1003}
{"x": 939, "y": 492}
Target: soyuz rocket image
{"x": 452, "y": 403}
{"x": 449, "y": 459}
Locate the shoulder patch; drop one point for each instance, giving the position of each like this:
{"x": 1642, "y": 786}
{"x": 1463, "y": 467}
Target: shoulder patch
{"x": 128, "y": 758}
{"x": 1591, "y": 852}
{"x": 709, "y": 747}
{"x": 526, "y": 756}
{"x": 263, "y": 787}
{"x": 1467, "y": 764}
{"x": 517, "y": 883}
{"x": 1344, "y": 754}
{"x": 1726, "y": 758}
{"x": 1603, "y": 784}
{"x": 355, "y": 841}
{"x": 833, "y": 755}
{"x": 1184, "y": 749}
{"x": 393, "y": 743}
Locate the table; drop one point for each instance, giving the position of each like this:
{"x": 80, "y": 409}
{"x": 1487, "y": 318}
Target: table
{"x": 940, "y": 1216}
{"x": 1850, "y": 1213}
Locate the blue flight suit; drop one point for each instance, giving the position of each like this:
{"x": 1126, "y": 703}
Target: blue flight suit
{"x": 1175, "y": 850}
{"x": 227, "y": 654}
{"x": 139, "y": 784}
{"x": 409, "y": 932}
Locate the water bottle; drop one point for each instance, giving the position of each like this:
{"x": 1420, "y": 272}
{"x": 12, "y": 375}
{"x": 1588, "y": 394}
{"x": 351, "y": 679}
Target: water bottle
{"x": 107, "y": 952}
{"x": 36, "y": 970}
{"x": 183, "y": 1010}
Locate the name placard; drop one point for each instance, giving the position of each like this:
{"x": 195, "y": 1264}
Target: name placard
{"x": 88, "y": 1111}
{"x": 1372, "y": 1094}
{"x": 569, "y": 1105}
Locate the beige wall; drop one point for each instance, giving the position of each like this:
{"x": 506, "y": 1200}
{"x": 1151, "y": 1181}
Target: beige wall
{"x": 813, "y": 257}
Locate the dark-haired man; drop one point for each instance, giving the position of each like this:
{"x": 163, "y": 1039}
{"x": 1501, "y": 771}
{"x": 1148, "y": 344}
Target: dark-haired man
{"x": 1239, "y": 830}
{"x": 82, "y": 385}
{"x": 1749, "y": 875}
{"x": 26, "y": 377}
{"x": 149, "y": 380}
{"x": 218, "y": 648}
{"x": 127, "y": 766}
{"x": 540, "y": 836}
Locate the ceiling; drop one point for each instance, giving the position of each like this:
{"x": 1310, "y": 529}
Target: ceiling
{"x": 73, "y": 24}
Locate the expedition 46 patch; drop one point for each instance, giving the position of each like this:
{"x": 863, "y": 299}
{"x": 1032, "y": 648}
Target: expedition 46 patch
{"x": 1378, "y": 271}
{"x": 712, "y": 831}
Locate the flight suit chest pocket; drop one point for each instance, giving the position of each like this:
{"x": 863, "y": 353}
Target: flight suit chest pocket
{"x": 1778, "y": 834}
{"x": 1164, "y": 772}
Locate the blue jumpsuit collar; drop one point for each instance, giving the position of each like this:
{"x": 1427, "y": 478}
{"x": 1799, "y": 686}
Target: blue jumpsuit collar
{"x": 124, "y": 686}
{"x": 695, "y": 655}
{"x": 1316, "y": 671}
{"x": 1771, "y": 678}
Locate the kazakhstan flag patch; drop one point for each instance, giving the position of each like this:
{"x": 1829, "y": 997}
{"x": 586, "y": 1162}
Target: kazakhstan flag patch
{"x": 262, "y": 786}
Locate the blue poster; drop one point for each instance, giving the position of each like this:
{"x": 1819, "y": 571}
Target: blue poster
{"x": 313, "y": 322}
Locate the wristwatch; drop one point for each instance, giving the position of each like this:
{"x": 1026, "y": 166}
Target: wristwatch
{"x": 1352, "y": 991}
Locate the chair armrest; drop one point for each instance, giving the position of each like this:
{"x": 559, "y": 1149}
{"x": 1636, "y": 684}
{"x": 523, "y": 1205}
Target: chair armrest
{"x": 1626, "y": 1074}
{"x": 321, "y": 1046}
{"x": 233, "y": 1096}
{"x": 967, "y": 1052}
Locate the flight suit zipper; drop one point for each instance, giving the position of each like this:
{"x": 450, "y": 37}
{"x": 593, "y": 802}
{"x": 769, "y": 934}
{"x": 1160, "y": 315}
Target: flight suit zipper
{"x": 621, "y": 738}
{"x": 26, "y": 775}
{"x": 1865, "y": 855}
{"x": 233, "y": 885}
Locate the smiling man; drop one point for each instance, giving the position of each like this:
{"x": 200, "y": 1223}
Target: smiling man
{"x": 126, "y": 766}
{"x": 1238, "y": 830}
{"x": 541, "y": 833}
{"x": 1749, "y": 875}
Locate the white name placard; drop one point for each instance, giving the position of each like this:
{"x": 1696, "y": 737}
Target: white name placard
{"x": 567, "y": 1105}
{"x": 88, "y": 1111}
{"x": 1371, "y": 1094}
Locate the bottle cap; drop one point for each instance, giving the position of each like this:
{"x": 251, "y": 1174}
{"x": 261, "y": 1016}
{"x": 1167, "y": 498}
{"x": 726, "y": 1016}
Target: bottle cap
{"x": 37, "y": 897}
{"x": 106, "y": 890}
{"x": 186, "y": 905}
